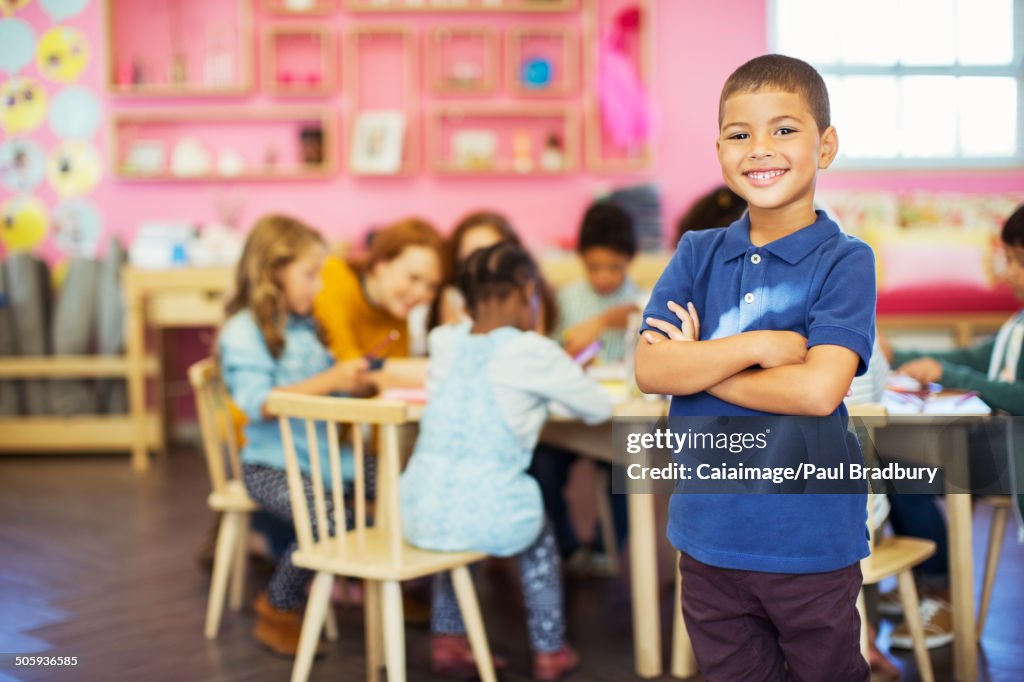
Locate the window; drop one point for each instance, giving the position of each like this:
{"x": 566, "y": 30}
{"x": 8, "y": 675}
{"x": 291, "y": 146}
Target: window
{"x": 915, "y": 83}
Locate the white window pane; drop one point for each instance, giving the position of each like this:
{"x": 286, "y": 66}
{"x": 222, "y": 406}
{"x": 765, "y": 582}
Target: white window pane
{"x": 929, "y": 32}
{"x": 984, "y": 31}
{"x": 870, "y": 33}
{"x": 804, "y": 31}
{"x": 988, "y": 116}
{"x": 928, "y": 117}
{"x": 869, "y": 119}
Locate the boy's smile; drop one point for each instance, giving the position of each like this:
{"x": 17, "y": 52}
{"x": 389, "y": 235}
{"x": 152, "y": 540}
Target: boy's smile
{"x": 770, "y": 150}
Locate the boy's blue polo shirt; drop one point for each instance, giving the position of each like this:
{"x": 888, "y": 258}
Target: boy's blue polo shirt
{"x": 819, "y": 282}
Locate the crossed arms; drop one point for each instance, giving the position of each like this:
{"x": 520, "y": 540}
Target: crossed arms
{"x": 770, "y": 371}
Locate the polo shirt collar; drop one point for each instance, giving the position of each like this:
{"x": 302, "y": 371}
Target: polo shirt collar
{"x": 792, "y": 248}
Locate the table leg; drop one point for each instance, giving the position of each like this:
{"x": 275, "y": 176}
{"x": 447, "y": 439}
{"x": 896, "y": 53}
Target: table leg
{"x": 136, "y": 352}
{"x": 961, "y": 561}
{"x": 643, "y": 560}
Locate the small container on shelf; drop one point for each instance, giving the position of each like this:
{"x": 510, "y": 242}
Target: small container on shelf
{"x": 462, "y": 60}
{"x": 542, "y": 61}
{"x": 503, "y": 140}
{"x": 299, "y": 7}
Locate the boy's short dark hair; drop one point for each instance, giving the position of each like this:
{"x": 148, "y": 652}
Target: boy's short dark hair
{"x": 609, "y": 226}
{"x": 779, "y": 72}
{"x": 1013, "y": 228}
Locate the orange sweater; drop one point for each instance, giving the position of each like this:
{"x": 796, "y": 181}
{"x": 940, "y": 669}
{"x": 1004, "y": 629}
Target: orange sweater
{"x": 353, "y": 326}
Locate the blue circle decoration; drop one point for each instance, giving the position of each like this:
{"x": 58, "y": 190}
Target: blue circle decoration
{"x": 19, "y": 45}
{"x": 535, "y": 72}
{"x": 22, "y": 165}
{"x": 77, "y": 227}
{"x": 63, "y": 9}
{"x": 75, "y": 113}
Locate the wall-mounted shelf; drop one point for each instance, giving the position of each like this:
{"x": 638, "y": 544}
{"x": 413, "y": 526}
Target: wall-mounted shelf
{"x": 542, "y": 61}
{"x": 299, "y": 60}
{"x": 389, "y": 52}
{"x": 298, "y": 7}
{"x": 522, "y": 6}
{"x": 602, "y": 155}
{"x": 216, "y": 145}
{"x": 497, "y": 140}
{"x": 462, "y": 60}
{"x": 185, "y": 48}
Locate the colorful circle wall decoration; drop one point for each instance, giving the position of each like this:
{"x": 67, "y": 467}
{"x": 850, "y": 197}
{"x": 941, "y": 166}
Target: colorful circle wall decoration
{"x": 77, "y": 226}
{"x": 74, "y": 168}
{"x": 60, "y": 10}
{"x": 19, "y": 44}
{"x": 23, "y": 222}
{"x": 22, "y": 165}
{"x": 62, "y": 54}
{"x": 75, "y": 113}
{"x": 22, "y": 105}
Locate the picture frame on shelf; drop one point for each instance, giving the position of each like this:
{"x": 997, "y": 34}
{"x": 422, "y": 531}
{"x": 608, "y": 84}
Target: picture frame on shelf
{"x": 377, "y": 142}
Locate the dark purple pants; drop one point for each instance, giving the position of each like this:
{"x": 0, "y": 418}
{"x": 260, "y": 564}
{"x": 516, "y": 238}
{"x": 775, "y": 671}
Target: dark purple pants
{"x": 753, "y": 626}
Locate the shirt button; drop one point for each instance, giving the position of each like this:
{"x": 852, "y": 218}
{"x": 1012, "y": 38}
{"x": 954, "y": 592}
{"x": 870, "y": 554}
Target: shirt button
{"x": 749, "y": 298}
{"x": 755, "y": 259}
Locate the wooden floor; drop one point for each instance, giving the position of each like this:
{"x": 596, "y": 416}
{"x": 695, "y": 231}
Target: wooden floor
{"x": 98, "y": 563}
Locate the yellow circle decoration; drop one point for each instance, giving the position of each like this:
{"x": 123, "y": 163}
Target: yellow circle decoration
{"x": 74, "y": 168}
{"x": 22, "y": 105}
{"x": 62, "y": 53}
{"x": 23, "y": 222}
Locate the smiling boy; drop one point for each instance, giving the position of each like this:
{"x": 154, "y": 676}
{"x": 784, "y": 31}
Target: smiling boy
{"x": 786, "y": 306}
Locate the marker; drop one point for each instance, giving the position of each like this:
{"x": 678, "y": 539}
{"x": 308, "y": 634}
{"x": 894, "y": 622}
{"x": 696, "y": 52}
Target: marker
{"x": 965, "y": 397}
{"x": 373, "y": 355}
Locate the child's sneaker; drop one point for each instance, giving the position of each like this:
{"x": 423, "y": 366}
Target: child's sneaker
{"x": 556, "y": 664}
{"x": 937, "y": 619}
{"x": 279, "y": 630}
{"x": 452, "y": 656}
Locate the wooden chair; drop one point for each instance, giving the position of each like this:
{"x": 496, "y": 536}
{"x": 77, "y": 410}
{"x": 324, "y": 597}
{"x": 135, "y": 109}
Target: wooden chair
{"x": 377, "y": 553}
{"x": 893, "y": 556}
{"x": 228, "y": 496}
{"x": 1000, "y": 510}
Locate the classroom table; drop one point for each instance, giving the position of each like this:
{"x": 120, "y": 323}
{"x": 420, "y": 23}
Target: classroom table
{"x": 941, "y": 440}
{"x": 595, "y": 441}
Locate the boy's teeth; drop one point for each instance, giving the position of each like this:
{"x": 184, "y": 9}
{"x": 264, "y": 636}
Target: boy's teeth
{"x": 764, "y": 175}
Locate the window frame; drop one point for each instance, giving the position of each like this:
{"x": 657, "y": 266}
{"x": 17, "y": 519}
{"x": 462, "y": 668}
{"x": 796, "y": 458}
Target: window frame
{"x": 1013, "y": 70}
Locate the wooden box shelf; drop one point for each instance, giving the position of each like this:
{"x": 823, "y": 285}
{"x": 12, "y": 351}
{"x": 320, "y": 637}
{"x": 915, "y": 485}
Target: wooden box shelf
{"x": 299, "y": 7}
{"x": 145, "y": 145}
{"x": 519, "y": 140}
{"x": 522, "y": 6}
{"x": 553, "y": 49}
{"x": 462, "y": 60}
{"x": 184, "y": 48}
{"x": 299, "y": 60}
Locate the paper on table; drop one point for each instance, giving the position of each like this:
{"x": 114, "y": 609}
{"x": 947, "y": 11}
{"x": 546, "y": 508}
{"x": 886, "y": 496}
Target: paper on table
{"x": 899, "y": 403}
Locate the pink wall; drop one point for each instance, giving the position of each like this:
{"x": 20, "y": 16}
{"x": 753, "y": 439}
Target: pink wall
{"x": 696, "y": 46}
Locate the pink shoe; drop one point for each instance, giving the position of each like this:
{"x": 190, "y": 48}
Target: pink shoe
{"x": 556, "y": 664}
{"x": 452, "y": 656}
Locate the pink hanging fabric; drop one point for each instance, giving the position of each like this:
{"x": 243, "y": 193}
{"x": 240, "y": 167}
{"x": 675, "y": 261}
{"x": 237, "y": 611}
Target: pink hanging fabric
{"x": 625, "y": 109}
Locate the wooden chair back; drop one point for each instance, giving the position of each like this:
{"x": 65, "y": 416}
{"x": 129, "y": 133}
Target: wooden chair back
{"x": 220, "y": 442}
{"x": 306, "y": 412}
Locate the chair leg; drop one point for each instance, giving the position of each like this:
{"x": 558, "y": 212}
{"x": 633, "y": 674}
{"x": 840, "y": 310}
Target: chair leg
{"x": 995, "y": 547}
{"x": 394, "y": 630}
{"x": 912, "y": 615}
{"x": 312, "y": 624}
{"x": 862, "y": 610}
{"x": 241, "y": 562}
{"x": 684, "y": 661}
{"x": 470, "y": 608}
{"x": 607, "y": 521}
{"x": 374, "y": 632}
{"x": 331, "y": 623}
{"x": 223, "y": 556}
